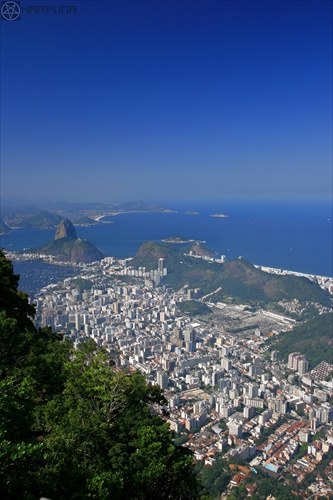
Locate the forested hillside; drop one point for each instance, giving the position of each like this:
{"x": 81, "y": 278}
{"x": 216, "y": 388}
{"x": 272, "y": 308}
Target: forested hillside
{"x": 238, "y": 280}
{"x": 313, "y": 338}
{"x": 71, "y": 426}
{"x": 70, "y": 250}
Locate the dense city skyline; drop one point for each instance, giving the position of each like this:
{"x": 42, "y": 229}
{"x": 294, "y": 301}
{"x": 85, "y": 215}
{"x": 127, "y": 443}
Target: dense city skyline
{"x": 168, "y": 100}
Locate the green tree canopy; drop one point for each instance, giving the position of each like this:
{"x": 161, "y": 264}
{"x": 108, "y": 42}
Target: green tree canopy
{"x": 71, "y": 425}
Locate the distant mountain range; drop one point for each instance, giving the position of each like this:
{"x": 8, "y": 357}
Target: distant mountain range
{"x": 130, "y": 206}
{"x": 47, "y": 215}
{"x": 42, "y": 220}
{"x": 239, "y": 280}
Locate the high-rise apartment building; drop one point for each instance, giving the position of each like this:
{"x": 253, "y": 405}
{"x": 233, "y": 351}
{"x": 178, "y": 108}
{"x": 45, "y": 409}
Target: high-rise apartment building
{"x": 295, "y": 362}
{"x": 162, "y": 380}
{"x": 161, "y": 265}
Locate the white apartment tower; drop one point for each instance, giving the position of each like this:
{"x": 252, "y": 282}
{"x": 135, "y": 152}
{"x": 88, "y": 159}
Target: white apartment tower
{"x": 161, "y": 264}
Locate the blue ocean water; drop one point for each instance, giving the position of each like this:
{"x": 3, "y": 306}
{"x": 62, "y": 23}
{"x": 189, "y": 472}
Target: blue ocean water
{"x": 296, "y": 236}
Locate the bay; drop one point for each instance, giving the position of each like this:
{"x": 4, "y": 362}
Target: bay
{"x": 295, "y": 236}
{"x": 36, "y": 274}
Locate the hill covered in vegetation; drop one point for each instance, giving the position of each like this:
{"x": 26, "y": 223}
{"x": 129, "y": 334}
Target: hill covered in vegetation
{"x": 71, "y": 250}
{"x": 314, "y": 338}
{"x": 41, "y": 219}
{"x": 67, "y": 247}
{"x": 239, "y": 280}
{"x": 86, "y": 221}
{"x": 201, "y": 249}
{"x": 193, "y": 307}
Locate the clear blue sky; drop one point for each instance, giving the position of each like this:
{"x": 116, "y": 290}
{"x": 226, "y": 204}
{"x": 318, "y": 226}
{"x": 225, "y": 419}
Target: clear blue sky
{"x": 168, "y": 100}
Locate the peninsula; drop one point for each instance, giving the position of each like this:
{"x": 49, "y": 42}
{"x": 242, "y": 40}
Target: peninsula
{"x": 47, "y": 215}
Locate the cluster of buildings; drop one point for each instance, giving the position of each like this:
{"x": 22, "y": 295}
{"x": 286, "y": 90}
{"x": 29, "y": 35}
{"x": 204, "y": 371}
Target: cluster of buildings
{"x": 298, "y": 362}
{"x": 156, "y": 275}
{"x": 227, "y": 394}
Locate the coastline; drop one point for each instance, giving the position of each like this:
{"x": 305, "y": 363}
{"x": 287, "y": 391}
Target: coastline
{"x": 113, "y": 214}
{"x": 287, "y": 236}
{"x": 325, "y": 282}
{"x": 274, "y": 270}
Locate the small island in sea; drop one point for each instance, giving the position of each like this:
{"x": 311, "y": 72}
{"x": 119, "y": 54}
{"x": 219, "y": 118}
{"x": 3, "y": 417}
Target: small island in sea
{"x": 180, "y": 239}
{"x": 176, "y": 239}
{"x": 219, "y": 215}
{"x": 85, "y": 222}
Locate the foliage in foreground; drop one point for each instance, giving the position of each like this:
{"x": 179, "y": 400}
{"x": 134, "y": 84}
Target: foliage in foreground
{"x": 73, "y": 427}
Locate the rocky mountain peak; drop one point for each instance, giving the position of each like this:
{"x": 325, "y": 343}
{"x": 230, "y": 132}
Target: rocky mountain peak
{"x": 65, "y": 229}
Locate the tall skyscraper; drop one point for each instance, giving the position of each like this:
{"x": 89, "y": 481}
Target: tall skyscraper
{"x": 303, "y": 366}
{"x": 161, "y": 264}
{"x": 189, "y": 335}
{"x": 78, "y": 321}
{"x": 162, "y": 380}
